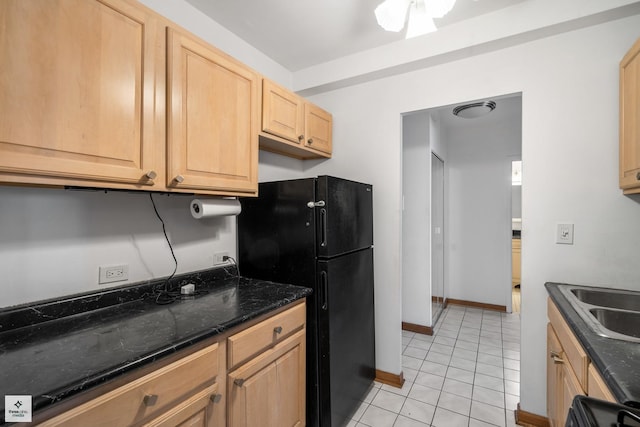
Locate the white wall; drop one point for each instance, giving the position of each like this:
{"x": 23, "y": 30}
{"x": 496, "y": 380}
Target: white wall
{"x": 479, "y": 220}
{"x": 569, "y": 84}
{"x": 416, "y": 219}
{"x": 52, "y": 241}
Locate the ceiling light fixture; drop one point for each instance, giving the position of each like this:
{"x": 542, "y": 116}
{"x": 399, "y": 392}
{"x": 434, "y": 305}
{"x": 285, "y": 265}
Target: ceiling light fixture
{"x": 476, "y": 109}
{"x": 392, "y": 15}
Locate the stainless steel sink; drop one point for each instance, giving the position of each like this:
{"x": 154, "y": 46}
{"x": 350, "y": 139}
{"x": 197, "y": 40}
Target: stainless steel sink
{"x": 610, "y": 313}
{"x": 615, "y": 299}
{"x": 623, "y": 322}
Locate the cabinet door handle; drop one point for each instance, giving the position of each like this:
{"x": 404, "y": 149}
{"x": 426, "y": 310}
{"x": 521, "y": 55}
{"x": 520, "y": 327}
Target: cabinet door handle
{"x": 638, "y": 176}
{"x": 215, "y": 398}
{"x": 179, "y": 179}
{"x": 277, "y": 329}
{"x": 239, "y": 382}
{"x": 557, "y": 359}
{"x": 554, "y": 353}
{"x": 151, "y": 175}
{"x": 150, "y": 399}
{"x": 310, "y": 141}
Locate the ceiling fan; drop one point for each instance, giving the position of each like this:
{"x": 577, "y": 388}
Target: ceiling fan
{"x": 392, "y": 15}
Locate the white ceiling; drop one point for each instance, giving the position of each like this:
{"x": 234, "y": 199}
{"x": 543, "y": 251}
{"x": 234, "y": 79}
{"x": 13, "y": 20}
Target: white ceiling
{"x": 301, "y": 33}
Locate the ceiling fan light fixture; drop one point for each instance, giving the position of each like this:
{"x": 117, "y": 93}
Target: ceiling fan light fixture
{"x": 392, "y": 14}
{"x": 475, "y": 109}
{"x": 419, "y": 21}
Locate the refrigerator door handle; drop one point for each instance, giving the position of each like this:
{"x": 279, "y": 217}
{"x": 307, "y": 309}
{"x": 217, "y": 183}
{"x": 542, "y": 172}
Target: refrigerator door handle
{"x": 323, "y": 232}
{"x": 318, "y": 204}
{"x": 323, "y": 290}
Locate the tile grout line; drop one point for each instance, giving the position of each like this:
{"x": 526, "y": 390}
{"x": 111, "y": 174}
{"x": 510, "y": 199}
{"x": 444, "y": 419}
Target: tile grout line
{"x": 491, "y": 322}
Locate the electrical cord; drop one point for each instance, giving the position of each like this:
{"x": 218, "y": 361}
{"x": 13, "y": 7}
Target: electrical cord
{"x": 228, "y": 258}
{"x": 162, "y": 292}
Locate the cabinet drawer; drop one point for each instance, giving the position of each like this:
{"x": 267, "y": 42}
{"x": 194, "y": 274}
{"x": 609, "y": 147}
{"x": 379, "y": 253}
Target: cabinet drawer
{"x": 255, "y": 339}
{"x": 197, "y": 410}
{"x": 572, "y": 349}
{"x": 146, "y": 396}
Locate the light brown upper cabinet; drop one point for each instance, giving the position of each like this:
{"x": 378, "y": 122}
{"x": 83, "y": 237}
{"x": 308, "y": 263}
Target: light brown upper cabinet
{"x": 78, "y": 85}
{"x": 293, "y": 126}
{"x": 87, "y": 101}
{"x": 213, "y": 119}
{"x": 630, "y": 121}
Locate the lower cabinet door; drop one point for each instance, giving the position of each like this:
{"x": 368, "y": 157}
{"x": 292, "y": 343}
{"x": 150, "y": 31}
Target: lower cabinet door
{"x": 196, "y": 411}
{"x": 269, "y": 390}
{"x": 570, "y": 389}
{"x": 554, "y": 379}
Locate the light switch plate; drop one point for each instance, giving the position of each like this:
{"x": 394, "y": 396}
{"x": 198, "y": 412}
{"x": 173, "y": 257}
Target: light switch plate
{"x": 564, "y": 234}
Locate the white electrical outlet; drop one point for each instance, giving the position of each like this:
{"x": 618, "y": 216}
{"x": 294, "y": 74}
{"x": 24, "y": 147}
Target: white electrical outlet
{"x": 564, "y": 234}
{"x": 218, "y": 258}
{"x": 113, "y": 273}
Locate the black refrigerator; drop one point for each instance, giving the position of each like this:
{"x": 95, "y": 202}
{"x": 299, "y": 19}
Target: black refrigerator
{"x": 318, "y": 232}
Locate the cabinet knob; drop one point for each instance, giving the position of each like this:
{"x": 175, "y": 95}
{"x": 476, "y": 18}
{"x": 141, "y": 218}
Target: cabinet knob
{"x": 300, "y": 138}
{"x": 215, "y": 398}
{"x": 310, "y": 141}
{"x": 151, "y": 175}
{"x": 150, "y": 399}
{"x": 277, "y": 329}
{"x": 239, "y": 382}
{"x": 179, "y": 179}
{"x": 638, "y": 176}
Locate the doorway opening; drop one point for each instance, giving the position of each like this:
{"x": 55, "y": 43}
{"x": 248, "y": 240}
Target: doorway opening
{"x": 516, "y": 233}
{"x": 478, "y": 219}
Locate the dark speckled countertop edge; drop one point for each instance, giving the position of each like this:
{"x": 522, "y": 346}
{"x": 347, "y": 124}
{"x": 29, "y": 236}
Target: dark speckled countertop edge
{"x": 601, "y": 350}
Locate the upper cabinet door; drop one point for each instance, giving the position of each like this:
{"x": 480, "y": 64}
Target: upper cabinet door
{"x": 630, "y": 120}
{"x": 282, "y": 112}
{"x": 213, "y": 113}
{"x": 77, "y": 85}
{"x": 318, "y": 128}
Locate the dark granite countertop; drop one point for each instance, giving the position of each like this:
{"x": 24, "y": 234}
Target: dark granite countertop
{"x": 55, "y": 349}
{"x": 618, "y": 361}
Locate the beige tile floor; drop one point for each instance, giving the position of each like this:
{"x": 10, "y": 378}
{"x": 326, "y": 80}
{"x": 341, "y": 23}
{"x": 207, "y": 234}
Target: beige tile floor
{"x": 466, "y": 374}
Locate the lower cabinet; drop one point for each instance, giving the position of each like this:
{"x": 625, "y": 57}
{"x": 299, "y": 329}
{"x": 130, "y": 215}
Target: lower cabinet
{"x": 252, "y": 376}
{"x": 569, "y": 371}
{"x": 515, "y": 261}
{"x": 269, "y": 389}
{"x": 183, "y": 390}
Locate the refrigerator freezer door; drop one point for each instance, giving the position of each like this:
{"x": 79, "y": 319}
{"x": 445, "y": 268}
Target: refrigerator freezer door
{"x": 276, "y": 233}
{"x": 345, "y": 222}
{"x": 345, "y": 308}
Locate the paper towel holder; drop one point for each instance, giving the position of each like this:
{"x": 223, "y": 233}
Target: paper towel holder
{"x": 208, "y": 208}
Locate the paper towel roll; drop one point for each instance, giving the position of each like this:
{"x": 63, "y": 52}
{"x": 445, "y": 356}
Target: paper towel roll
{"x": 208, "y": 208}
